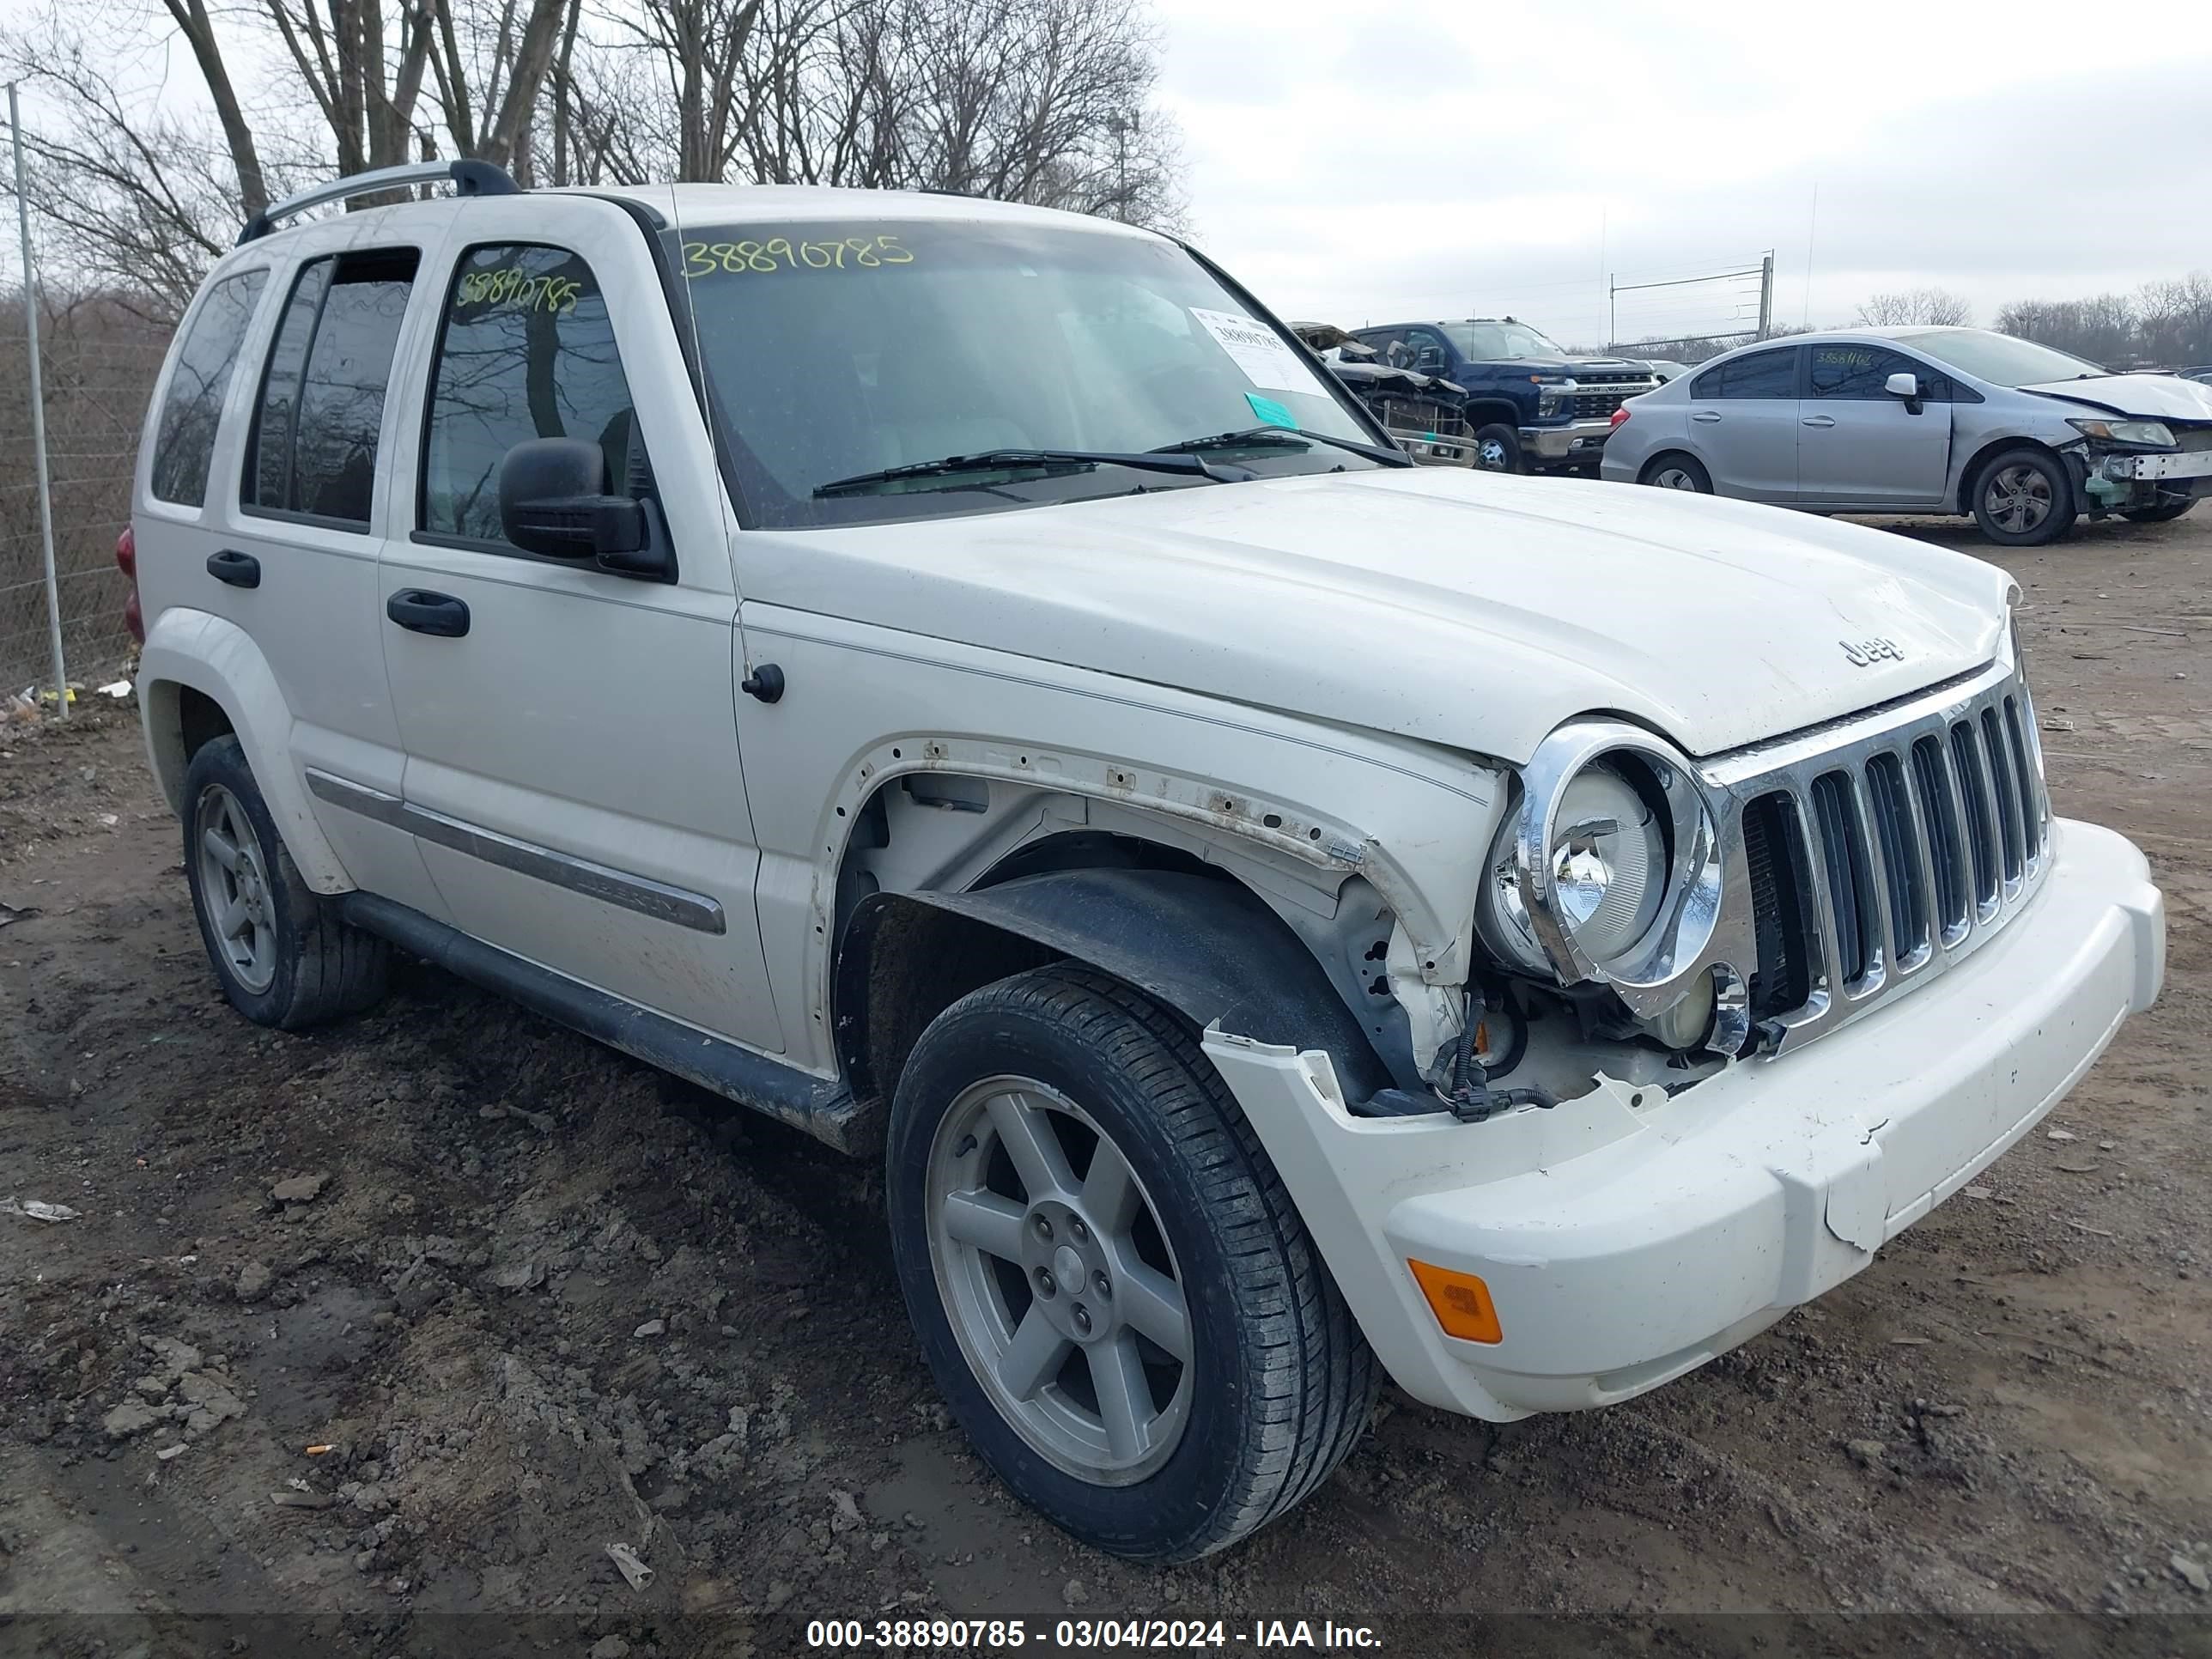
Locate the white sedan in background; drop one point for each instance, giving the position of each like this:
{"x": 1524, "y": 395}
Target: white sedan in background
{"x": 1925, "y": 419}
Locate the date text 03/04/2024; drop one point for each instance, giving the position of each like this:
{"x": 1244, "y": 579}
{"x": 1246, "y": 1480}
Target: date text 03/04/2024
{"x": 896, "y": 1635}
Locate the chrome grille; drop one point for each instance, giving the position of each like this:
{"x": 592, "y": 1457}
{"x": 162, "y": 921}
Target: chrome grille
{"x": 1879, "y": 850}
{"x": 1598, "y": 403}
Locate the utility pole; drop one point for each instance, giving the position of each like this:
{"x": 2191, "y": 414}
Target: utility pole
{"x": 38, "y": 410}
{"x": 1766, "y": 294}
{"x": 1121, "y": 126}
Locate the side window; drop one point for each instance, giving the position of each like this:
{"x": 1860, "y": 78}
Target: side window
{"x": 322, "y": 395}
{"x": 183, "y": 448}
{"x": 1761, "y": 374}
{"x": 526, "y": 350}
{"x": 1844, "y": 370}
{"x": 1428, "y": 353}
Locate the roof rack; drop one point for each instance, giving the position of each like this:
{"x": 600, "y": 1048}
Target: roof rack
{"x": 467, "y": 177}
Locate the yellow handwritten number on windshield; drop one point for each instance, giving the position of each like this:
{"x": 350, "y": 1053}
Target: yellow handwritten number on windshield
{"x": 779, "y": 254}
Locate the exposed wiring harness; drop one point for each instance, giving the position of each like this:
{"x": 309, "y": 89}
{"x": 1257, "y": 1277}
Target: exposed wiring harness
{"x": 1470, "y": 1099}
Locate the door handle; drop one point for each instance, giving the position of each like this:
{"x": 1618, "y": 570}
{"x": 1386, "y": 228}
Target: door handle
{"x": 239, "y": 569}
{"x": 1819, "y": 419}
{"x": 420, "y": 611}
{"x": 1708, "y": 415}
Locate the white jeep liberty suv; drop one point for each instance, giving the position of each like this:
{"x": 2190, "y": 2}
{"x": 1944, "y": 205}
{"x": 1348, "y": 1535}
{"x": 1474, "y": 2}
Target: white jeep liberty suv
{"x": 961, "y": 679}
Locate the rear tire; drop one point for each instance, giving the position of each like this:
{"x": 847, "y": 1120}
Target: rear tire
{"x": 1675, "y": 470}
{"x": 2164, "y": 513}
{"x": 283, "y": 956}
{"x": 1000, "y": 1202}
{"x": 1498, "y": 449}
{"x": 2024, "y": 498}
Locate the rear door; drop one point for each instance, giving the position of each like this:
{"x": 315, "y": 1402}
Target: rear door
{"x": 1742, "y": 424}
{"x": 573, "y": 777}
{"x": 1861, "y": 447}
{"x": 265, "y": 517}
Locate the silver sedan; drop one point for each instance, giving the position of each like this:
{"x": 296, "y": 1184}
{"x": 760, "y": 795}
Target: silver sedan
{"x": 1925, "y": 419}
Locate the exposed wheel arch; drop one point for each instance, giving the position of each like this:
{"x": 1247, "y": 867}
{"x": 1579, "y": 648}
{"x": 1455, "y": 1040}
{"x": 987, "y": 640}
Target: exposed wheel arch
{"x": 1202, "y": 944}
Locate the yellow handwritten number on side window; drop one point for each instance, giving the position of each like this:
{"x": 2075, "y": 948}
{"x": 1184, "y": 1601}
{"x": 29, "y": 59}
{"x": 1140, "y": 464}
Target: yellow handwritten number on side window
{"x": 511, "y": 285}
{"x": 779, "y": 254}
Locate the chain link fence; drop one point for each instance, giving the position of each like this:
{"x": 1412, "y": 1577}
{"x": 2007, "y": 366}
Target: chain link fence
{"x": 100, "y": 358}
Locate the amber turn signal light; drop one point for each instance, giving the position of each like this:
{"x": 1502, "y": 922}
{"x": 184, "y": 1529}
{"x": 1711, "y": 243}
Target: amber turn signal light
{"x": 1460, "y": 1301}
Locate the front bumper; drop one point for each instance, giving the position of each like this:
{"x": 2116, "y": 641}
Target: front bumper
{"x": 1577, "y": 443}
{"x": 1628, "y": 1237}
{"x": 2118, "y": 482}
{"x": 2166, "y": 467}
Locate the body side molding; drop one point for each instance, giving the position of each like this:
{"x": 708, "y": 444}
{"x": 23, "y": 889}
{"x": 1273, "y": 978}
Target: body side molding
{"x": 642, "y": 894}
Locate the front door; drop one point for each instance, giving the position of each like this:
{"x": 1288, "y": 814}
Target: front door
{"x": 1860, "y": 446}
{"x": 1742, "y": 424}
{"x": 573, "y": 774}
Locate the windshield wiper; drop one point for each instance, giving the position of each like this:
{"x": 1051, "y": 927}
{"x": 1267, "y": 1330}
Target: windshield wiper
{"x": 1284, "y": 437}
{"x": 996, "y": 460}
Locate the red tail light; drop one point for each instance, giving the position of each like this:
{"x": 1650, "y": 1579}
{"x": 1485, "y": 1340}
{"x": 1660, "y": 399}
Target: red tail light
{"x": 126, "y": 560}
{"x": 1619, "y": 414}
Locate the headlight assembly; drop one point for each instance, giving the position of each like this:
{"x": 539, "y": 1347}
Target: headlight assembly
{"x": 1610, "y": 871}
{"x": 2126, "y": 432}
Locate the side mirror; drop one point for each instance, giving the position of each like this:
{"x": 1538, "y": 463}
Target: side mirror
{"x": 1906, "y": 386}
{"x": 553, "y": 500}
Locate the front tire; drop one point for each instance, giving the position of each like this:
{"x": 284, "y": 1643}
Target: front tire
{"x": 2164, "y": 513}
{"x": 2024, "y": 498}
{"x": 281, "y": 953}
{"x": 1498, "y": 449}
{"x": 1109, "y": 1280}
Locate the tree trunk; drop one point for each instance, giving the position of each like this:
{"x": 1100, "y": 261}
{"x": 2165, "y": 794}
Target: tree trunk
{"x": 192, "y": 20}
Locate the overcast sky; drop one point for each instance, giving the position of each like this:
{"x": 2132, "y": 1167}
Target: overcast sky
{"x": 1402, "y": 159}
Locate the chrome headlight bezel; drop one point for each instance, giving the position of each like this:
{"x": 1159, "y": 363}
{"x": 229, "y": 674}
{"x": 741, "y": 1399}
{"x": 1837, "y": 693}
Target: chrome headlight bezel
{"x": 1521, "y": 916}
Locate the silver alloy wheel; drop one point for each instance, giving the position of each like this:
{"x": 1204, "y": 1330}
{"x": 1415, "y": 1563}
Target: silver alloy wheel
{"x": 1064, "y": 1294}
{"x": 2019, "y": 499}
{"x": 1673, "y": 478}
{"x": 1491, "y": 457}
{"x": 234, "y": 884}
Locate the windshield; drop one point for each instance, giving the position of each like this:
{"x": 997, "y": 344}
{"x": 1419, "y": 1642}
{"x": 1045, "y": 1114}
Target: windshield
{"x": 1491, "y": 342}
{"x": 1999, "y": 359}
{"x": 833, "y": 349}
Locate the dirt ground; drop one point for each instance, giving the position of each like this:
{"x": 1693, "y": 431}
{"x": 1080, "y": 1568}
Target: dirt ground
{"x": 535, "y": 1299}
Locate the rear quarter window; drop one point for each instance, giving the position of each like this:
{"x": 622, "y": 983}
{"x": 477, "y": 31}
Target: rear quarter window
{"x": 192, "y": 409}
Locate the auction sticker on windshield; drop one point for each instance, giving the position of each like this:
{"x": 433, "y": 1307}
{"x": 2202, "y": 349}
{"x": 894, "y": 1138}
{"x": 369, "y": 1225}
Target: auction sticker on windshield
{"x": 1262, "y": 353}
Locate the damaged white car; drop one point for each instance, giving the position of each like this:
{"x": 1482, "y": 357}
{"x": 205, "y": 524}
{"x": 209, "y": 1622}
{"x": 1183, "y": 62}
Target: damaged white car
{"x": 962, "y": 679}
{"x": 2025, "y": 438}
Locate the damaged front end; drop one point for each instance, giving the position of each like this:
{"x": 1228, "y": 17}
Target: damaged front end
{"x": 2143, "y": 468}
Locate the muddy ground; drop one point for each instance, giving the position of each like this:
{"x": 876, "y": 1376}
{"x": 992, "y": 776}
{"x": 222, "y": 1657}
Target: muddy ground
{"x": 536, "y": 1299}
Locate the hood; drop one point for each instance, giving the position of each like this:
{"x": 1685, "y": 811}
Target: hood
{"x": 2151, "y": 396}
{"x": 1471, "y": 609}
{"x": 1607, "y": 368}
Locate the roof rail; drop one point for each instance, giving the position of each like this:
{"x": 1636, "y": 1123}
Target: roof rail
{"x": 467, "y": 177}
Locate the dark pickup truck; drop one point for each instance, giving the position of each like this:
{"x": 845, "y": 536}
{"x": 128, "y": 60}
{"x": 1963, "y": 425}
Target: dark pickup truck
{"x": 1531, "y": 406}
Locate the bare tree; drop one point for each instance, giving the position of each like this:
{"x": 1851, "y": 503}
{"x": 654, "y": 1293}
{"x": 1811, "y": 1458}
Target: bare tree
{"x": 129, "y": 196}
{"x": 2102, "y": 329}
{"x": 1924, "y": 306}
{"x": 2174, "y": 320}
{"x": 1031, "y": 100}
